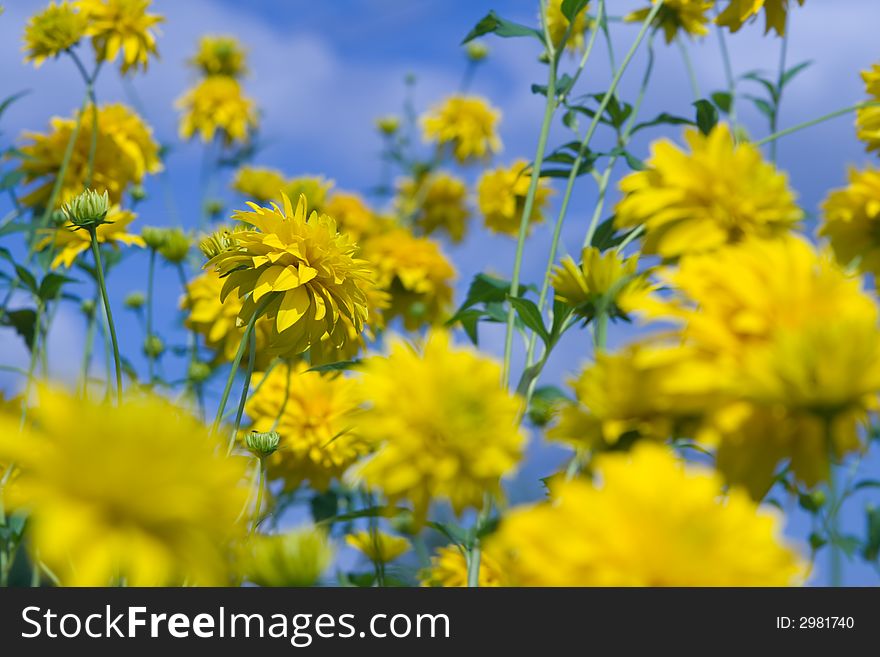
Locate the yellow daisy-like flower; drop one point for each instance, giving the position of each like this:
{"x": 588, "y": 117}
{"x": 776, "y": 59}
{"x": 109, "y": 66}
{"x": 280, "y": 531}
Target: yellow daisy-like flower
{"x": 220, "y": 55}
{"x": 139, "y": 492}
{"x": 121, "y": 26}
{"x": 352, "y": 214}
{"x": 443, "y": 426}
{"x": 689, "y": 16}
{"x": 332, "y": 348}
{"x": 739, "y": 11}
{"x": 316, "y": 416}
{"x": 69, "y": 242}
{"x": 852, "y": 220}
{"x": 557, "y": 24}
{"x": 261, "y": 184}
{"x": 126, "y": 151}
{"x": 296, "y": 558}
{"x": 52, "y": 31}
{"x": 467, "y": 124}
{"x": 449, "y": 569}
{"x": 436, "y": 203}
{"x": 501, "y": 197}
{"x": 378, "y": 546}
{"x": 415, "y": 272}
{"x": 868, "y": 118}
{"x": 718, "y": 193}
{"x": 599, "y": 275}
{"x": 217, "y": 105}
{"x": 298, "y": 271}
{"x": 648, "y": 520}
{"x": 314, "y": 188}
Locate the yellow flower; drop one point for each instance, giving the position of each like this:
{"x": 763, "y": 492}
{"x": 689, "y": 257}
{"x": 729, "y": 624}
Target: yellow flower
{"x": 314, "y": 188}
{"x": 444, "y": 427}
{"x": 501, "y": 196}
{"x": 52, "y": 31}
{"x": 217, "y": 105}
{"x": 868, "y": 118}
{"x": 260, "y": 184}
{"x": 67, "y": 242}
{"x": 296, "y": 558}
{"x": 467, "y": 123}
{"x": 352, "y": 214}
{"x": 449, "y": 569}
{"x": 557, "y": 24}
{"x": 126, "y": 151}
{"x": 689, "y": 16}
{"x": 415, "y": 273}
{"x": 378, "y": 546}
{"x": 139, "y": 492}
{"x": 316, "y": 417}
{"x": 347, "y": 341}
{"x": 306, "y": 271}
{"x": 698, "y": 201}
{"x": 648, "y": 520}
{"x": 598, "y": 275}
{"x": 852, "y": 220}
{"x": 740, "y": 11}
{"x": 434, "y": 203}
{"x": 121, "y": 26}
{"x": 220, "y": 55}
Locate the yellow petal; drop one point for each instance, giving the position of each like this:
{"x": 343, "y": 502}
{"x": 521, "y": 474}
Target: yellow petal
{"x": 293, "y": 306}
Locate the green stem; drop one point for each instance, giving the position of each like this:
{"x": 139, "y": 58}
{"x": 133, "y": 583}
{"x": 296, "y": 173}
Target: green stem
{"x": 99, "y": 270}
{"x": 835, "y": 572}
{"x": 90, "y": 343}
{"x": 774, "y": 117}
{"x": 809, "y": 124}
{"x": 150, "y": 352}
{"x": 261, "y": 483}
{"x": 728, "y": 73}
{"x": 245, "y": 389}
{"x": 32, "y": 366}
{"x": 689, "y": 67}
{"x": 600, "y": 329}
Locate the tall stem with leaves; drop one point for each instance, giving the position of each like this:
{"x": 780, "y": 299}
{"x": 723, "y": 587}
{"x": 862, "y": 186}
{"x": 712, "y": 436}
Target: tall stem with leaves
{"x": 102, "y": 284}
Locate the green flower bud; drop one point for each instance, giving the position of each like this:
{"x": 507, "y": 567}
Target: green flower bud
{"x": 214, "y": 208}
{"x": 58, "y": 219}
{"x": 176, "y": 246}
{"x": 388, "y": 125}
{"x": 477, "y": 51}
{"x": 153, "y": 346}
{"x": 262, "y": 443}
{"x": 135, "y": 300}
{"x": 198, "y": 372}
{"x": 812, "y": 501}
{"x": 88, "y": 210}
{"x": 138, "y": 193}
{"x": 217, "y": 243}
{"x": 154, "y": 237}
{"x": 88, "y": 307}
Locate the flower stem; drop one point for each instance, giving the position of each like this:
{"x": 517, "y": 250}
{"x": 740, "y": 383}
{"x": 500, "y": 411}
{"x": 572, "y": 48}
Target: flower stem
{"x": 835, "y": 566}
{"x": 90, "y": 344}
{"x": 689, "y": 67}
{"x": 150, "y": 351}
{"x": 728, "y": 73}
{"x": 245, "y": 389}
{"x": 32, "y": 366}
{"x": 809, "y": 124}
{"x": 774, "y": 117}
{"x": 99, "y": 271}
{"x": 261, "y": 483}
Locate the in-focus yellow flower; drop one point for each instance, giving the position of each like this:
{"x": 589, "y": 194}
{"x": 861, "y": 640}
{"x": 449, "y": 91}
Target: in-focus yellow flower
{"x": 336, "y": 347}
{"x": 306, "y": 271}
{"x": 217, "y": 105}
{"x": 139, "y": 492}
{"x": 599, "y": 275}
{"x": 296, "y": 558}
{"x": 852, "y": 220}
{"x": 718, "y": 193}
{"x": 467, "y": 124}
{"x": 437, "y": 202}
{"x": 648, "y": 520}
{"x": 689, "y": 16}
{"x": 443, "y": 426}
{"x": 501, "y": 196}
{"x": 316, "y": 417}
{"x": 378, "y": 546}
{"x": 352, "y": 214}
{"x": 868, "y": 118}
{"x": 557, "y": 24}
{"x": 126, "y": 151}
{"x": 415, "y": 272}
{"x": 220, "y": 55}
{"x": 68, "y": 242}
{"x": 739, "y": 11}
{"x": 52, "y": 31}
{"x": 449, "y": 569}
{"x": 314, "y": 188}
{"x": 121, "y": 26}
{"x": 260, "y": 184}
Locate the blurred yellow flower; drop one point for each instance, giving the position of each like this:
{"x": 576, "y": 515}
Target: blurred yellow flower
{"x": 121, "y": 26}
{"x": 739, "y": 11}
{"x": 718, "y": 193}
{"x": 467, "y": 124}
{"x": 688, "y": 16}
{"x": 557, "y": 24}
{"x": 220, "y": 55}
{"x": 852, "y": 220}
{"x": 316, "y": 417}
{"x": 126, "y": 151}
{"x": 217, "y": 105}
{"x": 449, "y": 569}
{"x": 68, "y": 242}
{"x": 296, "y": 558}
{"x": 583, "y": 286}
{"x": 314, "y": 188}
{"x": 868, "y": 118}
{"x": 138, "y": 493}
{"x": 415, "y": 272}
{"x": 647, "y": 520}
{"x": 352, "y": 214}
{"x": 260, "y": 184}
{"x": 501, "y": 196}
{"x": 378, "y": 546}
{"x": 52, "y": 31}
{"x": 437, "y": 202}
{"x": 443, "y": 426}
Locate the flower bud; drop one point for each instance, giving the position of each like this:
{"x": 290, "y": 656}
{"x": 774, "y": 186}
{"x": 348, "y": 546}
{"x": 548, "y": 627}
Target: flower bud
{"x": 477, "y": 51}
{"x": 176, "y": 246}
{"x": 153, "y": 346}
{"x": 217, "y": 243}
{"x": 58, "y": 218}
{"x": 154, "y": 237}
{"x": 262, "y": 443}
{"x": 388, "y": 125}
{"x": 198, "y": 372}
{"x": 135, "y": 300}
{"x": 88, "y": 307}
{"x": 88, "y": 210}
{"x": 213, "y": 208}
{"x": 138, "y": 193}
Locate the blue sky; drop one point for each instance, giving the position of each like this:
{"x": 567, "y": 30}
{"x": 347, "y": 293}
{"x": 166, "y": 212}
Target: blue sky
{"x": 323, "y": 71}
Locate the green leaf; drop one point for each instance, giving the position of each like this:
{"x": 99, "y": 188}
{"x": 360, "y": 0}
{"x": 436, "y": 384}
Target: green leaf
{"x": 723, "y": 101}
{"x": 561, "y": 312}
{"x": 26, "y": 278}
{"x": 11, "y": 179}
{"x": 790, "y": 74}
{"x": 324, "y": 505}
{"x": 606, "y": 235}
{"x": 469, "y": 319}
{"x": 455, "y": 534}
{"x": 772, "y": 92}
{"x": 570, "y": 121}
{"x": 24, "y": 323}
{"x": 485, "y": 289}
{"x": 11, "y": 99}
{"x": 661, "y": 119}
{"x": 528, "y": 312}
{"x": 338, "y": 366}
{"x": 866, "y": 483}
{"x": 543, "y": 404}
{"x": 871, "y": 547}
{"x": 369, "y": 512}
{"x": 528, "y": 376}
{"x": 50, "y": 286}
{"x": 763, "y": 106}
{"x": 707, "y": 115}
{"x": 492, "y": 23}
{"x": 571, "y": 8}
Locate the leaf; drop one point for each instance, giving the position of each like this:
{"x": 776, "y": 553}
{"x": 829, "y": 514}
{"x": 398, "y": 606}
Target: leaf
{"x": 543, "y": 404}
{"x": 661, "y": 119}
{"x": 606, "y": 235}
{"x": 369, "y": 512}
{"x": 866, "y": 483}
{"x": 469, "y": 319}
{"x": 561, "y": 312}
{"x": 50, "y": 286}
{"x": 707, "y": 115}
{"x": 764, "y": 82}
{"x": 531, "y": 316}
{"x": 11, "y": 99}
{"x": 324, "y": 505}
{"x": 763, "y": 106}
{"x": 484, "y": 289}
{"x": 571, "y": 8}
{"x": 337, "y": 366}
{"x": 570, "y": 121}
{"x": 27, "y": 278}
{"x": 24, "y": 323}
{"x": 723, "y": 101}
{"x": 790, "y": 74}
{"x": 528, "y": 376}
{"x": 632, "y": 161}
{"x": 11, "y": 179}
{"x": 492, "y": 23}
{"x": 871, "y": 547}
